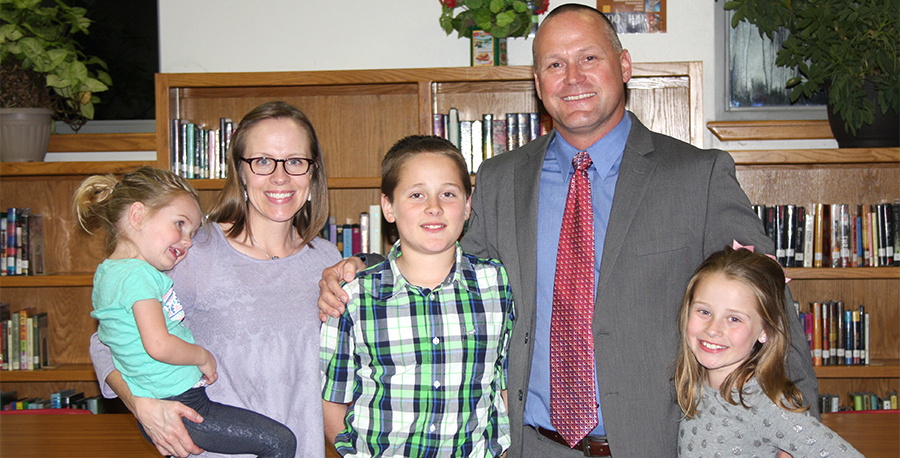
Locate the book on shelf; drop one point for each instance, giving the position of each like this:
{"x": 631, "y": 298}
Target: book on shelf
{"x": 484, "y": 138}
{"x": 832, "y": 235}
{"x": 25, "y": 340}
{"x": 837, "y": 335}
{"x": 197, "y": 152}
{"x": 23, "y": 242}
{"x": 364, "y": 236}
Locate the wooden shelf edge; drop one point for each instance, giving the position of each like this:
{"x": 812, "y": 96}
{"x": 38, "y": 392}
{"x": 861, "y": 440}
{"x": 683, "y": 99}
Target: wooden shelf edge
{"x": 877, "y": 369}
{"x": 68, "y": 143}
{"x": 866, "y": 156}
{"x": 728, "y": 131}
{"x": 60, "y": 373}
{"x": 41, "y": 281}
{"x": 26, "y": 169}
{"x": 845, "y": 273}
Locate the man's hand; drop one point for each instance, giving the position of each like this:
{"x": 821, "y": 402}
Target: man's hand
{"x": 162, "y": 423}
{"x": 331, "y": 295}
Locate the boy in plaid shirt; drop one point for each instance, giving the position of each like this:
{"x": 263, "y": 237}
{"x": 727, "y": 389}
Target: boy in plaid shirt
{"x": 415, "y": 366}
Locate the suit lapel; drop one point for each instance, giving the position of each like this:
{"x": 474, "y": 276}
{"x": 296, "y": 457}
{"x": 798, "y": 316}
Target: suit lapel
{"x": 634, "y": 178}
{"x": 525, "y": 189}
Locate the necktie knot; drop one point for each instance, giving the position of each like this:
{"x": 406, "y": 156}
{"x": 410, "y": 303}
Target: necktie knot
{"x": 582, "y": 161}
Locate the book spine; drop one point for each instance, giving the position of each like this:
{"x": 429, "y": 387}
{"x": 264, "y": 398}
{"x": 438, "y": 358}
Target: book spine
{"x": 498, "y": 132}
{"x": 453, "y": 126}
{"x": 477, "y": 145}
{"x": 375, "y": 235}
{"x": 876, "y": 239}
{"x": 895, "y": 230}
{"x": 364, "y": 245}
{"x": 522, "y": 128}
{"x": 848, "y": 337}
{"x": 800, "y": 224}
{"x": 817, "y": 333}
{"x": 857, "y": 346}
{"x": 29, "y": 341}
{"x": 809, "y": 233}
{"x": 818, "y": 256}
{"x": 487, "y": 135}
{"x": 23, "y": 340}
{"x": 534, "y": 126}
{"x": 512, "y": 132}
{"x": 887, "y": 229}
{"x": 175, "y": 146}
{"x": 11, "y": 241}
{"x": 3, "y": 236}
{"x": 835, "y": 235}
{"x": 826, "y": 328}
{"x": 437, "y": 125}
{"x": 845, "y": 239}
{"x": 347, "y": 246}
{"x": 465, "y": 143}
{"x": 790, "y": 227}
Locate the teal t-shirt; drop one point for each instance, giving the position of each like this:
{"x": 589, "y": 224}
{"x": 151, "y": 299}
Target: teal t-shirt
{"x": 118, "y": 284}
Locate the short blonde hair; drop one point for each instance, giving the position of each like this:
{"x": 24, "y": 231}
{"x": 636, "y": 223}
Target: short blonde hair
{"x": 101, "y": 201}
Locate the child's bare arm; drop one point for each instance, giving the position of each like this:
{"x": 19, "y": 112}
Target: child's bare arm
{"x": 166, "y": 348}
{"x": 334, "y": 419}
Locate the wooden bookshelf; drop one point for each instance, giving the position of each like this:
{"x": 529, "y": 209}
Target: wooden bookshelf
{"x": 852, "y": 176}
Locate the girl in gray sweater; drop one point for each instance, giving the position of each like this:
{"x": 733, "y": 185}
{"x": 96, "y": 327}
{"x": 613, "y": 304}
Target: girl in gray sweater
{"x": 730, "y": 378}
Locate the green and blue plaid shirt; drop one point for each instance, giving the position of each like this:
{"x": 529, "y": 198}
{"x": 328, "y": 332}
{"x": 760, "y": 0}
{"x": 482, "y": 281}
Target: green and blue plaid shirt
{"x": 422, "y": 369}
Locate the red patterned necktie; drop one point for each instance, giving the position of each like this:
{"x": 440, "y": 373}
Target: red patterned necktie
{"x": 573, "y": 402}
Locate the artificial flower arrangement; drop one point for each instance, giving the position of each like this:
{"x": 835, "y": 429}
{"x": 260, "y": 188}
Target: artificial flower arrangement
{"x": 500, "y": 18}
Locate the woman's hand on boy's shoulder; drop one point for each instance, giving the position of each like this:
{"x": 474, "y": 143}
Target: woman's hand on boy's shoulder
{"x": 332, "y": 297}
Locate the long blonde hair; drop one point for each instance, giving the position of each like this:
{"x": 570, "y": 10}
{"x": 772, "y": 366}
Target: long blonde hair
{"x": 101, "y": 201}
{"x": 231, "y": 205}
{"x": 765, "y": 278}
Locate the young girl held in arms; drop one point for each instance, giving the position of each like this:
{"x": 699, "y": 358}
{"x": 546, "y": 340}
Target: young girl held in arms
{"x": 730, "y": 377}
{"x": 149, "y": 219}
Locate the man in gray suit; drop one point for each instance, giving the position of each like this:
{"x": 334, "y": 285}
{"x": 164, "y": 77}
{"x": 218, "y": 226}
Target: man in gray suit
{"x": 660, "y": 207}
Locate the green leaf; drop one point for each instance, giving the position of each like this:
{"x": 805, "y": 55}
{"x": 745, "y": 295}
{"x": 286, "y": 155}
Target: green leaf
{"x": 520, "y": 6}
{"x": 506, "y": 18}
{"x": 78, "y": 72}
{"x": 87, "y": 110}
{"x": 496, "y": 6}
{"x": 94, "y": 85}
{"x": 55, "y": 57}
{"x": 56, "y": 81}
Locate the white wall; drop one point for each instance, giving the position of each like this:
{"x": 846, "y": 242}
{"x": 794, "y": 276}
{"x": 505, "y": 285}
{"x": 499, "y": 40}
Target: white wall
{"x": 291, "y": 35}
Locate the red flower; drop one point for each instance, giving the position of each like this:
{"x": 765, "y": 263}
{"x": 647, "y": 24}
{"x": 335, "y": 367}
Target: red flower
{"x": 450, "y": 3}
{"x": 542, "y": 7}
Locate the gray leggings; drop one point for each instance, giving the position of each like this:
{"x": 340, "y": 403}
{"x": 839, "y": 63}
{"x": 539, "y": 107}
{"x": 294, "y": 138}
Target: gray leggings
{"x": 232, "y": 430}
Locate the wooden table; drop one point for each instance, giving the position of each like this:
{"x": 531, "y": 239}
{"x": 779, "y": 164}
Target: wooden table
{"x": 79, "y": 436}
{"x": 117, "y": 435}
{"x": 73, "y": 436}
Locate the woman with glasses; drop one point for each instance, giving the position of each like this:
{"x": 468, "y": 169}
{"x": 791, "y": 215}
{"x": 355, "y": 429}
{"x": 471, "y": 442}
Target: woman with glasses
{"x": 249, "y": 287}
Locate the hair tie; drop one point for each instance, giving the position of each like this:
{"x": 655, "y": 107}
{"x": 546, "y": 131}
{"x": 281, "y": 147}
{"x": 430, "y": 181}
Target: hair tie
{"x": 735, "y": 245}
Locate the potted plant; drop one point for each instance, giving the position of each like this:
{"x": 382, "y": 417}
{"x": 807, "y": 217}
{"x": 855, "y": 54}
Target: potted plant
{"x": 500, "y": 18}
{"x": 43, "y": 66}
{"x": 847, "y": 48}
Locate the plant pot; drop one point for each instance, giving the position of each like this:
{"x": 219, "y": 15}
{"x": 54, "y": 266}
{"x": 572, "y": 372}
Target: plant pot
{"x": 882, "y": 133}
{"x": 24, "y": 134}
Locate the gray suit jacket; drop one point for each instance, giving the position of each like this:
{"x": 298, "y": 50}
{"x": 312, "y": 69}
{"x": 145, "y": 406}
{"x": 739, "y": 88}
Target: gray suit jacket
{"x": 674, "y": 205}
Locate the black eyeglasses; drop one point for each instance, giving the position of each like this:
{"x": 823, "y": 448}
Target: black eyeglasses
{"x": 294, "y": 166}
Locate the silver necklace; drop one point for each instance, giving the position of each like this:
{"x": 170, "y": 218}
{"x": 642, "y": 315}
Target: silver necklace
{"x": 253, "y": 242}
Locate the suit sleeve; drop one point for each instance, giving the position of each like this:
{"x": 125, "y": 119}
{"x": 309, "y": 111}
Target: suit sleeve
{"x": 731, "y": 218}
{"x": 474, "y": 240}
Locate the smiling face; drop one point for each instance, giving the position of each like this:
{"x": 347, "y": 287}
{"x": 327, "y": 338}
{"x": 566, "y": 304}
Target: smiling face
{"x": 580, "y": 77}
{"x": 163, "y": 238}
{"x": 279, "y": 196}
{"x": 723, "y": 326}
{"x": 429, "y": 205}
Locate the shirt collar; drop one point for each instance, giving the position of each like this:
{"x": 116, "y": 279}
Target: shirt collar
{"x": 605, "y": 153}
{"x": 389, "y": 282}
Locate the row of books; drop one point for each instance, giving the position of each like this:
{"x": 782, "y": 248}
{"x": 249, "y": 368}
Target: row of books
{"x": 364, "y": 236}
{"x": 829, "y": 403}
{"x": 21, "y": 242}
{"x": 62, "y": 399}
{"x": 834, "y": 235}
{"x": 837, "y": 336}
{"x": 489, "y": 136}
{"x": 197, "y": 151}
{"x": 25, "y": 339}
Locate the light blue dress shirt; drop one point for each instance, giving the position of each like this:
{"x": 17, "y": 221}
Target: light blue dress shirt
{"x": 556, "y": 173}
